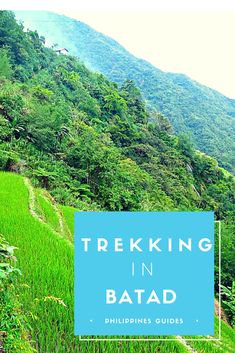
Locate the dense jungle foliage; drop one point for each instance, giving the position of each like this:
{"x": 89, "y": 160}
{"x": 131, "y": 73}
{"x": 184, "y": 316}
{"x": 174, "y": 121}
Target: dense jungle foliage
{"x": 95, "y": 146}
{"x": 206, "y": 115}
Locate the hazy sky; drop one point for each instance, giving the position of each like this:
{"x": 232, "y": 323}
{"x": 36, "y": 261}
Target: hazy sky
{"x": 197, "y": 43}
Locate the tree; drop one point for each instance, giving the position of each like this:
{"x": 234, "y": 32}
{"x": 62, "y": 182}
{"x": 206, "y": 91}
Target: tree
{"x": 5, "y": 67}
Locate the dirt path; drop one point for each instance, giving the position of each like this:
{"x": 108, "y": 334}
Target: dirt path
{"x": 32, "y": 210}
{"x": 63, "y": 226}
{"x": 186, "y": 344}
{"x": 32, "y": 200}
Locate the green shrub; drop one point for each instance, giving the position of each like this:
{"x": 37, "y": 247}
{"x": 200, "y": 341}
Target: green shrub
{"x": 5, "y": 67}
{"x": 229, "y": 302}
{"x": 13, "y": 324}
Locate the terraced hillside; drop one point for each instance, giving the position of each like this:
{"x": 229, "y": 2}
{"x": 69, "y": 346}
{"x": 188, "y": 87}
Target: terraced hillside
{"x": 74, "y": 135}
{"x": 42, "y": 232}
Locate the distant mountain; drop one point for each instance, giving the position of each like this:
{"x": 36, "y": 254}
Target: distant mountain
{"x": 203, "y": 113}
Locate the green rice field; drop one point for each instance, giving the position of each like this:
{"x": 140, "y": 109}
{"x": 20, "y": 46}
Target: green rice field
{"x": 45, "y": 257}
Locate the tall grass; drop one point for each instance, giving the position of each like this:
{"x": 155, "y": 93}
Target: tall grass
{"x": 68, "y": 213}
{"x": 47, "y": 265}
{"x": 46, "y": 288}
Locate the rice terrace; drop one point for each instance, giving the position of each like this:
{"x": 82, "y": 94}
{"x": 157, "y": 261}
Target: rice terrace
{"x": 45, "y": 289}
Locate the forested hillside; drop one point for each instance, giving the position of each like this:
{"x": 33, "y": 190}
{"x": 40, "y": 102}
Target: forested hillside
{"x": 78, "y": 135}
{"x": 208, "y": 116}
{"x": 93, "y": 146}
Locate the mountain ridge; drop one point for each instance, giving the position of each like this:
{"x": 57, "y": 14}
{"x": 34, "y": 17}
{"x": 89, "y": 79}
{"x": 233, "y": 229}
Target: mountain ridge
{"x": 192, "y": 108}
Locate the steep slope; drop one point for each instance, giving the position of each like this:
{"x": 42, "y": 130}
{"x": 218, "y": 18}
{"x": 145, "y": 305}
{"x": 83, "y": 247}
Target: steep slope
{"x": 78, "y": 135}
{"x": 46, "y": 286}
{"x": 191, "y": 107}
{"x": 91, "y": 146}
